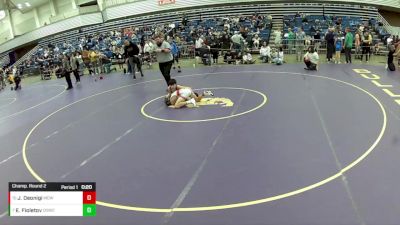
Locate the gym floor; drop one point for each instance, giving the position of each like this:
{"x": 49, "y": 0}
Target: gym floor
{"x": 296, "y": 146}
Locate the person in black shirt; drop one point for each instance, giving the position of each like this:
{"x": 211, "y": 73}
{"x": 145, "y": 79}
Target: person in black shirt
{"x": 330, "y": 43}
{"x": 390, "y": 64}
{"x": 184, "y": 20}
{"x": 317, "y": 40}
{"x": 205, "y": 54}
{"x": 131, "y": 54}
{"x": 215, "y": 46}
{"x": 17, "y": 81}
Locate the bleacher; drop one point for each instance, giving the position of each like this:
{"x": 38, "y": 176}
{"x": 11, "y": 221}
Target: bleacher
{"x": 212, "y": 12}
{"x": 321, "y": 23}
{"x": 4, "y": 59}
{"x": 351, "y": 15}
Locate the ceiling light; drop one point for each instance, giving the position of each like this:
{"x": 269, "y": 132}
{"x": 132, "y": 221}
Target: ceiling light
{"x": 19, "y": 6}
{"x": 27, "y": 4}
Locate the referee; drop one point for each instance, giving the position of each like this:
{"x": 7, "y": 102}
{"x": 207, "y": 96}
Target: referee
{"x": 164, "y": 56}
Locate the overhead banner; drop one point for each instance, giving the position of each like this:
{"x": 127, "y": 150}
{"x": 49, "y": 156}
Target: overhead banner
{"x": 165, "y": 2}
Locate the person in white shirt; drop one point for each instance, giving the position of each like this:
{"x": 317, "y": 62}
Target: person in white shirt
{"x": 198, "y": 45}
{"x": 148, "y": 47}
{"x": 248, "y": 58}
{"x": 147, "y": 50}
{"x": 389, "y": 40}
{"x": 14, "y": 71}
{"x": 265, "y": 53}
{"x": 236, "y": 19}
{"x": 361, "y": 28}
{"x": 311, "y": 59}
{"x": 199, "y": 42}
{"x": 227, "y": 25}
{"x": 280, "y": 57}
{"x": 256, "y": 41}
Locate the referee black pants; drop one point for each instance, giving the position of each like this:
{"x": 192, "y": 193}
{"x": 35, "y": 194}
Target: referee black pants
{"x": 165, "y": 69}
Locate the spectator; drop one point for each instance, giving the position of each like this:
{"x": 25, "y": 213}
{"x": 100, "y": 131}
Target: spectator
{"x": 175, "y": 53}
{"x": 177, "y": 40}
{"x": 265, "y": 53}
{"x": 107, "y": 63}
{"x": 66, "y": 68}
{"x": 376, "y": 49}
{"x": 227, "y": 26}
{"x": 74, "y": 67}
{"x": 397, "y": 51}
{"x": 307, "y": 41}
{"x": 311, "y": 59}
{"x": 215, "y": 47}
{"x": 338, "y": 48}
{"x": 131, "y": 53}
{"x": 291, "y": 39}
{"x": 86, "y": 60}
{"x": 93, "y": 56}
{"x": 279, "y": 57}
{"x": 226, "y": 44}
{"x": 248, "y": 58}
{"x": 361, "y": 28}
{"x": 237, "y": 41}
{"x": 230, "y": 56}
{"x": 366, "y": 45}
{"x": 14, "y": 71}
{"x": 79, "y": 59}
{"x": 256, "y": 41}
{"x": 100, "y": 57}
{"x": 389, "y": 40}
{"x": 330, "y": 44}
{"x": 120, "y": 58}
{"x": 199, "y": 43}
{"x": 184, "y": 20}
{"x": 390, "y": 65}
{"x": 357, "y": 44}
{"x": 348, "y": 45}
{"x": 148, "y": 47}
{"x": 300, "y": 36}
{"x": 205, "y": 54}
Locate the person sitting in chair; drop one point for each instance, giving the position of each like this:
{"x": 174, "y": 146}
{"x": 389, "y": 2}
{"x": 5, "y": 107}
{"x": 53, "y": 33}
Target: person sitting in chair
{"x": 205, "y": 54}
{"x": 231, "y": 56}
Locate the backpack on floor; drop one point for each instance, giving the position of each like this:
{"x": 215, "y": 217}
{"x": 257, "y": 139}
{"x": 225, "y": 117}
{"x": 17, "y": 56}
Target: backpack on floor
{"x": 391, "y": 67}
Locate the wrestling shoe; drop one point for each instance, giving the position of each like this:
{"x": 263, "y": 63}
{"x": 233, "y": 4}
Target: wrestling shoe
{"x": 208, "y": 93}
{"x": 192, "y": 101}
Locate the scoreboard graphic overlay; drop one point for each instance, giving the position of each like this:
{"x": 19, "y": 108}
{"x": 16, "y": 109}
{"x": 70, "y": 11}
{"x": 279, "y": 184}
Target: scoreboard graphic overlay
{"x": 51, "y": 199}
